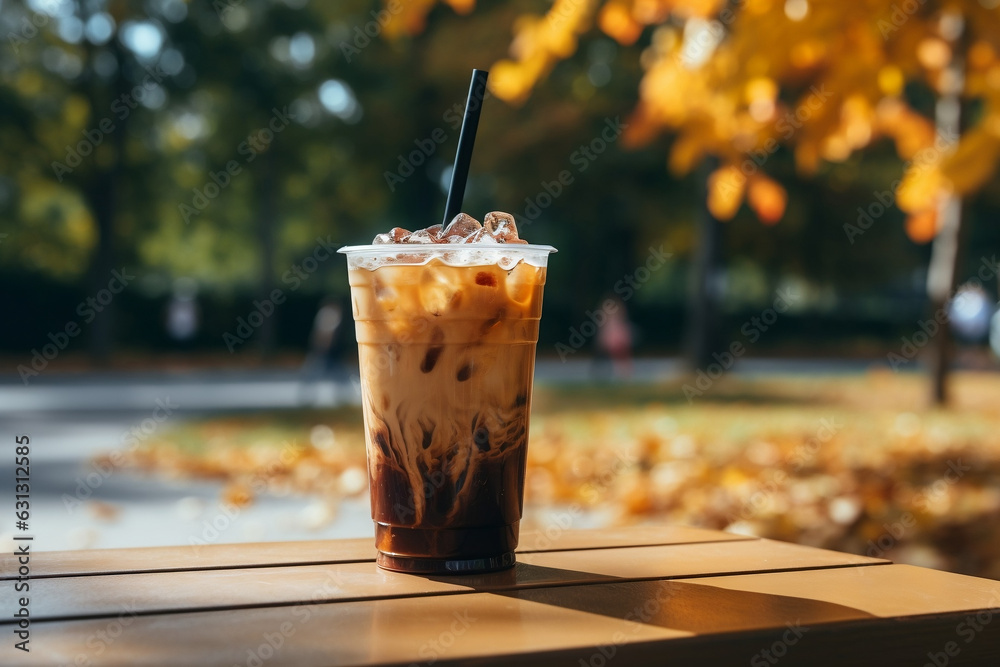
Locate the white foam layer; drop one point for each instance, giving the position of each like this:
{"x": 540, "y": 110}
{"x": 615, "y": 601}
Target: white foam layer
{"x": 506, "y": 256}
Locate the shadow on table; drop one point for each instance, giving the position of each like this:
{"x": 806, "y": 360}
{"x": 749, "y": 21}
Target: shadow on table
{"x": 686, "y": 606}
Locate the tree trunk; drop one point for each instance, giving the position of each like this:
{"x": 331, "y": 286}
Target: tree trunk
{"x": 946, "y": 250}
{"x": 701, "y": 337}
{"x": 941, "y": 279}
{"x": 265, "y": 239}
{"x": 100, "y": 191}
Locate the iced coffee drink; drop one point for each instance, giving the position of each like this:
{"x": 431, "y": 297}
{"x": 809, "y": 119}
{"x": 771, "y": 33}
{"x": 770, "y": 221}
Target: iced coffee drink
{"x": 447, "y": 322}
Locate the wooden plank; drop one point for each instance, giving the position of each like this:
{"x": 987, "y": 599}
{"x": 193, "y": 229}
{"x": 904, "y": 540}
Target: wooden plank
{"x": 697, "y": 559}
{"x": 886, "y": 592}
{"x": 218, "y": 556}
{"x": 839, "y": 616}
{"x": 351, "y": 633}
{"x": 557, "y": 539}
{"x": 192, "y": 557}
{"x": 144, "y": 593}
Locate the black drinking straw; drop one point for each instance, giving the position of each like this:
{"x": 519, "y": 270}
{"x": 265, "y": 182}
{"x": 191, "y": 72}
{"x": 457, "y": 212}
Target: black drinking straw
{"x": 466, "y": 139}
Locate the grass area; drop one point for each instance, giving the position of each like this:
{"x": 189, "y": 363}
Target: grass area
{"x": 856, "y": 463}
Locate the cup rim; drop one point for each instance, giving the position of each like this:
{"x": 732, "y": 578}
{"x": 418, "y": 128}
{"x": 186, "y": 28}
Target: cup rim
{"x": 417, "y": 248}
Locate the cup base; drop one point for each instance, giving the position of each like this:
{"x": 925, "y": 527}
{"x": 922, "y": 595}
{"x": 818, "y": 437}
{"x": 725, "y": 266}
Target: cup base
{"x": 411, "y": 565}
{"x": 445, "y": 550}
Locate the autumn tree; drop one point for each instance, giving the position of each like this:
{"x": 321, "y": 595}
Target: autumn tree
{"x": 734, "y": 81}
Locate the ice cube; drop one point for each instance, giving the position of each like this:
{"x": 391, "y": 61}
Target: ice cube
{"x": 385, "y": 295}
{"x": 461, "y": 227}
{"x": 521, "y": 281}
{"x": 394, "y": 235}
{"x": 501, "y": 226}
{"x": 481, "y": 236}
{"x": 430, "y": 235}
{"x": 437, "y": 293}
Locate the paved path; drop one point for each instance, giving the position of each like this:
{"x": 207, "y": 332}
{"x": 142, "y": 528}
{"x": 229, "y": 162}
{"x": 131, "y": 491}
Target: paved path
{"x": 72, "y": 419}
{"x": 76, "y": 504}
{"x": 214, "y": 391}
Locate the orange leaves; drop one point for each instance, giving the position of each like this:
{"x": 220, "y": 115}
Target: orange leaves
{"x": 922, "y": 185}
{"x": 726, "y": 186}
{"x": 408, "y": 18}
{"x": 767, "y": 199}
{"x": 969, "y": 167}
{"x": 617, "y": 22}
{"x": 922, "y": 227}
{"x": 461, "y": 6}
{"x": 911, "y": 131}
{"x": 942, "y": 171}
{"x": 538, "y": 44}
{"x": 687, "y": 151}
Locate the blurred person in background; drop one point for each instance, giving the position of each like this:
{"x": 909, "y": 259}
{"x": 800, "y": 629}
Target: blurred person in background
{"x": 614, "y": 341}
{"x": 326, "y": 347}
{"x": 182, "y": 311}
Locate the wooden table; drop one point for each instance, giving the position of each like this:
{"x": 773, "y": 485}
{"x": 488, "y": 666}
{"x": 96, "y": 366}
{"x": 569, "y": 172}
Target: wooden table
{"x": 651, "y": 595}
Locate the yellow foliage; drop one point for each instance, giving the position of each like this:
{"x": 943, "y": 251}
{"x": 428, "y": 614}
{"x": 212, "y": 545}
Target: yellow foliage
{"x": 911, "y": 131}
{"x": 974, "y": 160}
{"x": 726, "y": 186}
{"x": 409, "y": 18}
{"x": 721, "y": 76}
{"x": 616, "y": 21}
{"x": 921, "y": 188}
{"x": 539, "y": 43}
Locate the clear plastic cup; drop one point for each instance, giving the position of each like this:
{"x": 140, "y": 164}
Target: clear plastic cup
{"x": 446, "y": 337}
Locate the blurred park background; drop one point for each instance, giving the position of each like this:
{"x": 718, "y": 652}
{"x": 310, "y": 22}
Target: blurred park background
{"x": 793, "y": 203}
